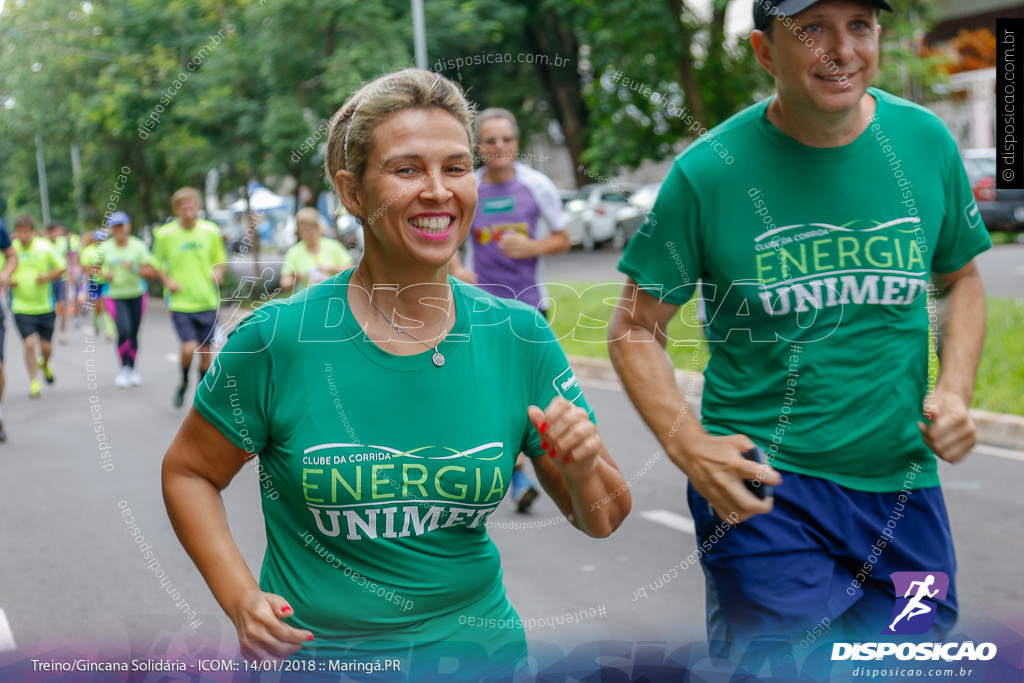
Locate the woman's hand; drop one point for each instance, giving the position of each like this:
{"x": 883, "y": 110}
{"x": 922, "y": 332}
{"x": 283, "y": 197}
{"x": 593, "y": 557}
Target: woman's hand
{"x": 568, "y": 436}
{"x": 262, "y": 633}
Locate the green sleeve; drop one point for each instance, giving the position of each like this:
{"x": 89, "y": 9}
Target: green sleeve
{"x": 664, "y": 257}
{"x": 963, "y": 234}
{"x": 291, "y": 266}
{"x": 236, "y": 393}
{"x": 552, "y": 376}
{"x": 217, "y": 253}
{"x": 158, "y": 251}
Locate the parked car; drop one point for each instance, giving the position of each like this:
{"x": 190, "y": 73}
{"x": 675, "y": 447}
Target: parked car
{"x": 575, "y": 207}
{"x": 1001, "y": 210}
{"x": 630, "y": 217}
{"x": 601, "y": 204}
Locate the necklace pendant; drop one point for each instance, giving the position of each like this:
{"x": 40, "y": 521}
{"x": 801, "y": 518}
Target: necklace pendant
{"x": 438, "y": 358}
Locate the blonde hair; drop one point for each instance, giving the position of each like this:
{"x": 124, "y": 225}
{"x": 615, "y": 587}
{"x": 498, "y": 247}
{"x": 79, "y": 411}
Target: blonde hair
{"x": 185, "y": 193}
{"x": 351, "y": 129}
{"x": 310, "y": 216}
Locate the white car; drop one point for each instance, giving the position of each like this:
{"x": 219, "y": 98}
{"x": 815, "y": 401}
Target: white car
{"x": 601, "y": 204}
{"x": 630, "y": 217}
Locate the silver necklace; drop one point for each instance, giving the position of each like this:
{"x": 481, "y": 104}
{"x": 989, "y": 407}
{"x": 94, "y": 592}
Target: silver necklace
{"x": 438, "y": 357}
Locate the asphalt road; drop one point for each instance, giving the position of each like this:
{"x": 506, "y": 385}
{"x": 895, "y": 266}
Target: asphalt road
{"x": 72, "y": 579}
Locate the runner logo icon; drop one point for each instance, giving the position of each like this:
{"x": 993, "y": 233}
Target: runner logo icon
{"x": 915, "y": 612}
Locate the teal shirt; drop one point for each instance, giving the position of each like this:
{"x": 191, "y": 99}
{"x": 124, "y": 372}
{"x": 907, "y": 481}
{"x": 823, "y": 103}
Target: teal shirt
{"x": 815, "y": 263}
{"x": 380, "y": 471}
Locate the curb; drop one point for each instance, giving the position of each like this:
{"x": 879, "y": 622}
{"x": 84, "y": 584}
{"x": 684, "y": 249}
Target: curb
{"x": 993, "y": 429}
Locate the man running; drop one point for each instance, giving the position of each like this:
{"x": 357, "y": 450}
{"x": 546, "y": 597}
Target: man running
{"x": 190, "y": 254}
{"x": 816, "y": 245}
{"x": 57, "y": 234}
{"x": 505, "y": 246}
{"x": 38, "y": 266}
{"x": 9, "y": 257}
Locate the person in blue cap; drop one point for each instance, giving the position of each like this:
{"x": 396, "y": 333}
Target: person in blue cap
{"x": 125, "y": 263}
{"x": 817, "y": 220}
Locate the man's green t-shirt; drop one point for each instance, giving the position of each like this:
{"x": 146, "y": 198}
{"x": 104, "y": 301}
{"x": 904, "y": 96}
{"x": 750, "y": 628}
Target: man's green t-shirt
{"x": 39, "y": 258}
{"x": 815, "y": 263}
{"x": 378, "y": 472}
{"x": 188, "y": 257}
{"x": 121, "y": 267}
{"x": 298, "y": 259}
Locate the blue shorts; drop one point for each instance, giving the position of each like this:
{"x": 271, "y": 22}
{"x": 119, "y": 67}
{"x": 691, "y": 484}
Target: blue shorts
{"x": 60, "y": 290}
{"x": 195, "y": 327}
{"x": 95, "y": 289}
{"x": 820, "y": 560}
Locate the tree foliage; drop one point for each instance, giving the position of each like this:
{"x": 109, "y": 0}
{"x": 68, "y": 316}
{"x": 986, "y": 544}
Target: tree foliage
{"x": 169, "y": 90}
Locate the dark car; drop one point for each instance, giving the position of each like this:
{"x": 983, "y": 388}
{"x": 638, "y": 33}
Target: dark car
{"x": 1001, "y": 210}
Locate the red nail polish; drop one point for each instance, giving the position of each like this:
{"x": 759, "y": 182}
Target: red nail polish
{"x": 310, "y": 637}
{"x": 286, "y": 608}
{"x": 543, "y": 427}
{"x": 544, "y": 444}
{"x": 566, "y": 458}
{"x": 552, "y": 453}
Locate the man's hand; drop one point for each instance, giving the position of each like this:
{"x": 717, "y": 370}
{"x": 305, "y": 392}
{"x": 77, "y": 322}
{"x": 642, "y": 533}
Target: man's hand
{"x": 173, "y": 285}
{"x": 951, "y": 434}
{"x": 517, "y": 245}
{"x": 717, "y": 469}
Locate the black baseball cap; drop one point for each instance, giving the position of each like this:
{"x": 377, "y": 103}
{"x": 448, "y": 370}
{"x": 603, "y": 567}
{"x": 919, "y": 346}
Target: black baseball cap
{"x": 764, "y": 10}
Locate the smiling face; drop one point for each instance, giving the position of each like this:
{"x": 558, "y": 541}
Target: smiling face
{"x": 418, "y": 195}
{"x": 825, "y": 62}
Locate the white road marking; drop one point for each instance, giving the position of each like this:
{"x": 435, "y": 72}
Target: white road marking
{"x": 999, "y": 452}
{"x": 671, "y": 520}
{"x": 6, "y": 637}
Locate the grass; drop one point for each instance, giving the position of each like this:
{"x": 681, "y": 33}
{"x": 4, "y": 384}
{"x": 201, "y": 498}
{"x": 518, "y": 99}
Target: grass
{"x": 581, "y": 311}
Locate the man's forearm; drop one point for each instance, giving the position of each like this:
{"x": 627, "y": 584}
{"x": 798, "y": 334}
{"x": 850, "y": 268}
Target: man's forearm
{"x": 555, "y": 243}
{"x": 964, "y": 338}
{"x": 648, "y": 376}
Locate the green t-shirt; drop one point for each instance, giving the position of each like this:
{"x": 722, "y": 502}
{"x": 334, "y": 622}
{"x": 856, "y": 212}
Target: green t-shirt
{"x": 38, "y": 258}
{"x": 189, "y": 256}
{"x": 378, "y": 471}
{"x": 298, "y": 259}
{"x": 815, "y": 264}
{"x": 90, "y": 256}
{"x": 121, "y": 267}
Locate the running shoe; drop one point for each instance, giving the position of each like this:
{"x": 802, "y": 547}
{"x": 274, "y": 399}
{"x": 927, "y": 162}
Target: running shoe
{"x": 3, "y": 434}
{"x": 35, "y": 390}
{"x": 523, "y": 491}
{"x": 134, "y": 378}
{"x": 47, "y": 372}
{"x": 179, "y": 395}
{"x": 122, "y": 379}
